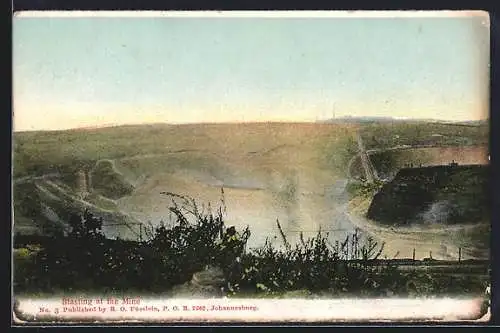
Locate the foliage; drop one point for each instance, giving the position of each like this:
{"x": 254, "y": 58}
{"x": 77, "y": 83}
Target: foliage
{"x": 364, "y": 189}
{"x": 86, "y": 260}
{"x": 85, "y": 226}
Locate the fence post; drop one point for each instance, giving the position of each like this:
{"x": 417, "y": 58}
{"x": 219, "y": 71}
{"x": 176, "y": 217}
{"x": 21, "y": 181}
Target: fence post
{"x": 347, "y": 248}
{"x": 413, "y": 254}
{"x": 459, "y": 254}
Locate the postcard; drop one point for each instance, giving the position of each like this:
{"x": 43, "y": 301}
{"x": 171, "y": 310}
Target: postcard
{"x": 250, "y": 167}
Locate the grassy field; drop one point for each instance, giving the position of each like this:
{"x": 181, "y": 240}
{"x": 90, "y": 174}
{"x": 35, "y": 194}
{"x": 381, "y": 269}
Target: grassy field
{"x": 36, "y": 152}
{"x": 332, "y": 145}
{"x": 383, "y": 135}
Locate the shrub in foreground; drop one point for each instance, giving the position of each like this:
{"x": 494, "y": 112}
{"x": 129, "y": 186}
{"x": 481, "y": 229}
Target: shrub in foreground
{"x": 86, "y": 260}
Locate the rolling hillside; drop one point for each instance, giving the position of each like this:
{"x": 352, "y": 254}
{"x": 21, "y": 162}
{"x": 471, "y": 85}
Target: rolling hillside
{"x": 294, "y": 172}
{"x": 283, "y": 169}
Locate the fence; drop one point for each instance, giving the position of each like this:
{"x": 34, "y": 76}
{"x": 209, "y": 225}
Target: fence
{"x": 139, "y": 233}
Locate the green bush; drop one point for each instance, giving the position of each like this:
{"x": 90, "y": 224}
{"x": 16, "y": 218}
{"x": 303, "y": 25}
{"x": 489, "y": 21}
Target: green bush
{"x": 86, "y": 260}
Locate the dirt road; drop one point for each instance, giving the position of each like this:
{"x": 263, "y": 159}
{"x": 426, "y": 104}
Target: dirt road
{"x": 440, "y": 242}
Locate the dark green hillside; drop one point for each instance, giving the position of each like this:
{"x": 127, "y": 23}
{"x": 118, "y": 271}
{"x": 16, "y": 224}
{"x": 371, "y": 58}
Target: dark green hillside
{"x": 439, "y": 194}
{"x": 108, "y": 182}
{"x": 44, "y": 152}
{"x": 36, "y": 211}
{"x": 385, "y": 135}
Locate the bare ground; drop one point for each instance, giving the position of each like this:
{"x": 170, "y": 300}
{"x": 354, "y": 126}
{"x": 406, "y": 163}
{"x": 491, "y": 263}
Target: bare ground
{"x": 442, "y": 241}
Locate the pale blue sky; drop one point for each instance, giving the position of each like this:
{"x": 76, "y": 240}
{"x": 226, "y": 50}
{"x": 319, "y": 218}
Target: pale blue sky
{"x": 71, "y": 72}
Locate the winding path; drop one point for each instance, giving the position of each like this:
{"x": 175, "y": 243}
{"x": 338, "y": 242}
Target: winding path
{"x": 31, "y": 178}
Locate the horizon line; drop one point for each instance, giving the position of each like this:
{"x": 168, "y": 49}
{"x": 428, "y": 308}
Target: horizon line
{"x": 329, "y": 121}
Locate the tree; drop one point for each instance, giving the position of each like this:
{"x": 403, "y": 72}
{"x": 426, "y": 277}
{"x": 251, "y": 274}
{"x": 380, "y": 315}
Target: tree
{"x": 85, "y": 225}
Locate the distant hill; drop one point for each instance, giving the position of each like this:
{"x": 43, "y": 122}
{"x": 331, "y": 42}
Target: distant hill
{"x": 481, "y": 122}
{"x": 351, "y": 119}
